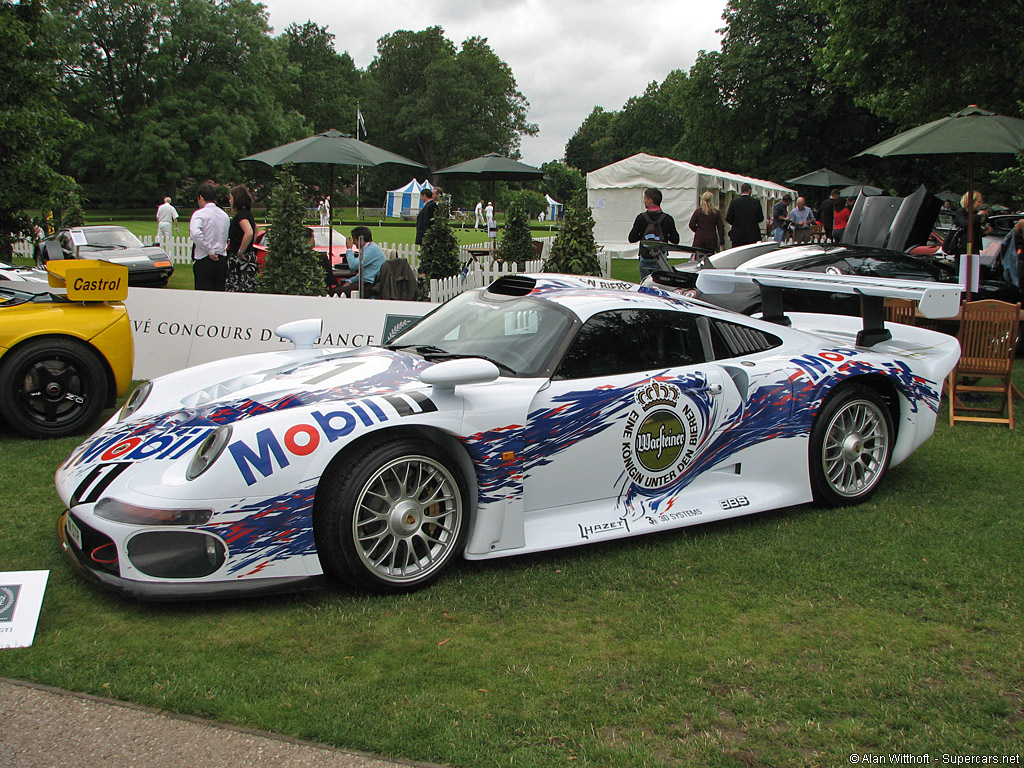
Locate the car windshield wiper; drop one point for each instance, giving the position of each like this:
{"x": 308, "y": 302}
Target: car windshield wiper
{"x": 422, "y": 349}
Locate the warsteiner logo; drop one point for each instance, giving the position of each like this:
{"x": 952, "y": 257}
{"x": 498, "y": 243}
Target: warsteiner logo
{"x": 661, "y": 435}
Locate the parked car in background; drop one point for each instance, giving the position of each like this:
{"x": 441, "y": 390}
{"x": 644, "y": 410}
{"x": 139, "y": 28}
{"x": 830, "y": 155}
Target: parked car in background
{"x": 62, "y": 360}
{"x": 864, "y": 261}
{"x": 22, "y": 274}
{"x": 148, "y": 265}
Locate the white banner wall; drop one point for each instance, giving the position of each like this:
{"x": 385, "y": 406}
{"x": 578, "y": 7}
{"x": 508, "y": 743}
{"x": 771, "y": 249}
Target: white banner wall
{"x": 177, "y": 329}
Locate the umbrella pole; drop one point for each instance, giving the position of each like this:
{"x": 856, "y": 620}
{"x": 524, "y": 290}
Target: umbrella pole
{"x": 970, "y": 222}
{"x": 330, "y": 215}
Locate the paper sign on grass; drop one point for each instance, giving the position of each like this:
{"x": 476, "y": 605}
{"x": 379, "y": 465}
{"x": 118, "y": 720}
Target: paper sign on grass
{"x": 21, "y": 598}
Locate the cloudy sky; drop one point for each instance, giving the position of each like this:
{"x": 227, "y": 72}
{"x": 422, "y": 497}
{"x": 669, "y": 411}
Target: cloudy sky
{"x": 567, "y": 55}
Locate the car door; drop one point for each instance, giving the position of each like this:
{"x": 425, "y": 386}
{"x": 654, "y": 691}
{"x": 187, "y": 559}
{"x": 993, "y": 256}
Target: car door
{"x": 633, "y": 401}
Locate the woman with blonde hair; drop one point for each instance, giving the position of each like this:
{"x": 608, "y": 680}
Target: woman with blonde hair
{"x": 958, "y": 245}
{"x": 706, "y": 224}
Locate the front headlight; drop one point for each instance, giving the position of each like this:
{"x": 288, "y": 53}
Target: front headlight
{"x": 209, "y": 451}
{"x": 135, "y": 400}
{"x": 117, "y": 511}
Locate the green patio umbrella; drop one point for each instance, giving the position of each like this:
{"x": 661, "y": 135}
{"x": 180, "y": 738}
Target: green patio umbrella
{"x": 330, "y": 148}
{"x": 822, "y": 177}
{"x": 858, "y": 189}
{"x": 972, "y": 131}
{"x": 491, "y": 167}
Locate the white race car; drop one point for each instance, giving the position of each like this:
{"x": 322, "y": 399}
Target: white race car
{"x": 545, "y": 411}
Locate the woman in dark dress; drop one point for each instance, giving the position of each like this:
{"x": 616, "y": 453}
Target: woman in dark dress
{"x": 707, "y": 226}
{"x": 243, "y": 268}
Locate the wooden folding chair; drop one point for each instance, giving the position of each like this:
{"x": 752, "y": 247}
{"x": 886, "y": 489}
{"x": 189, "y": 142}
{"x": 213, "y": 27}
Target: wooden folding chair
{"x": 900, "y": 311}
{"x": 988, "y": 338}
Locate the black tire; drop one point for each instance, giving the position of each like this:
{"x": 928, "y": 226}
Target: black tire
{"x": 392, "y": 520}
{"x": 52, "y": 387}
{"x": 851, "y": 444}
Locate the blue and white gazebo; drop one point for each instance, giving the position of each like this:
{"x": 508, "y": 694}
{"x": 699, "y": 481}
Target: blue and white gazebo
{"x": 406, "y": 199}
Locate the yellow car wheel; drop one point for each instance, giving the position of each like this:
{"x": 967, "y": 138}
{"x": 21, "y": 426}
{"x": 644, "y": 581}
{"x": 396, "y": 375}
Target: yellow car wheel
{"x": 52, "y": 387}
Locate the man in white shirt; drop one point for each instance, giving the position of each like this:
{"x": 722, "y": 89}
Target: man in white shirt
{"x": 166, "y": 215}
{"x": 479, "y": 216}
{"x": 208, "y": 228}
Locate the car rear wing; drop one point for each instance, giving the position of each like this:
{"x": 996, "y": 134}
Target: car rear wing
{"x": 89, "y": 279}
{"x": 932, "y": 299}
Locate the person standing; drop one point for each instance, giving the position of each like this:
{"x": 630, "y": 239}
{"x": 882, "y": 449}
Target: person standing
{"x": 426, "y": 215}
{"x": 652, "y": 224}
{"x": 480, "y": 221}
{"x": 745, "y": 217}
{"x": 841, "y": 217}
{"x": 780, "y": 219}
{"x": 706, "y": 224}
{"x": 828, "y": 209}
{"x": 242, "y": 266}
{"x": 324, "y": 209}
{"x": 166, "y": 215}
{"x": 208, "y": 228}
{"x": 801, "y": 218}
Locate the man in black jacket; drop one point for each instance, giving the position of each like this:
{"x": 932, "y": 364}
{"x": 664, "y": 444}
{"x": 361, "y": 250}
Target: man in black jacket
{"x": 745, "y": 216}
{"x": 426, "y": 214}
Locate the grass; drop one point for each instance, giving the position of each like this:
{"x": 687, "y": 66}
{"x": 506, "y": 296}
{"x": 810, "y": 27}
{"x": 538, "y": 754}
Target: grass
{"x": 795, "y": 637}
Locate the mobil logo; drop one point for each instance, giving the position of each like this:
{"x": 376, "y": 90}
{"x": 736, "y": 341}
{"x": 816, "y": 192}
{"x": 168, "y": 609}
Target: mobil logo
{"x": 819, "y": 365}
{"x": 273, "y": 450}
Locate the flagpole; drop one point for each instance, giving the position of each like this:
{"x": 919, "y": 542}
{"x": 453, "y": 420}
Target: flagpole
{"x": 358, "y": 115}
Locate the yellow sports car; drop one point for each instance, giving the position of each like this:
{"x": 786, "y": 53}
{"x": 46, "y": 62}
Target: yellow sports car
{"x": 64, "y": 354}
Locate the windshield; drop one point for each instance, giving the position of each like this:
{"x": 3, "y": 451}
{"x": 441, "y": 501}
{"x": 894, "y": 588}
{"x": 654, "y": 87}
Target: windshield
{"x": 118, "y": 238}
{"x": 518, "y": 334}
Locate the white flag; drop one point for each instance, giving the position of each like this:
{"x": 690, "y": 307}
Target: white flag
{"x": 359, "y": 118}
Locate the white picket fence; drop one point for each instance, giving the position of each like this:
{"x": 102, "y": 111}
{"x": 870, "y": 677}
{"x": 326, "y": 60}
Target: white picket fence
{"x": 477, "y": 272}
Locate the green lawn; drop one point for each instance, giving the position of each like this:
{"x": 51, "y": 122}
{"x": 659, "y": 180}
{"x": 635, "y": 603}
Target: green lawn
{"x": 791, "y": 638}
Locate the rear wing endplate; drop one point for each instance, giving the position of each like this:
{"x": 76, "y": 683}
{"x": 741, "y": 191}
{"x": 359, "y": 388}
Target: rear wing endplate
{"x": 933, "y": 299}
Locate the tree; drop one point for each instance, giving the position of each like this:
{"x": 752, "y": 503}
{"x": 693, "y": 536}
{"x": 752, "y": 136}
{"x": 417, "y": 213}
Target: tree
{"x": 593, "y": 146}
{"x": 327, "y": 83}
{"x": 292, "y": 267}
{"x": 32, "y": 121}
{"x": 909, "y": 63}
{"x": 564, "y": 182}
{"x": 440, "y": 104}
{"x": 439, "y": 255}
{"x": 187, "y": 86}
{"x": 574, "y": 251}
{"x": 516, "y": 244}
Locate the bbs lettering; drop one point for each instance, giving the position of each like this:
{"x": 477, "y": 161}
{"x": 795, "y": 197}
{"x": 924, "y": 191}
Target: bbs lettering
{"x": 735, "y": 502}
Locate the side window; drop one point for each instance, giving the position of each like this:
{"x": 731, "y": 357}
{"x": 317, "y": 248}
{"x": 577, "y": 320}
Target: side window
{"x": 736, "y": 340}
{"x": 630, "y": 341}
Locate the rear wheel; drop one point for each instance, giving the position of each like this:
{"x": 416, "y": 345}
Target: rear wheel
{"x": 52, "y": 387}
{"x": 393, "y": 520}
{"x": 851, "y": 443}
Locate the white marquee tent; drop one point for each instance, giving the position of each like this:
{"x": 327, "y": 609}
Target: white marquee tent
{"x": 405, "y": 199}
{"x": 615, "y": 196}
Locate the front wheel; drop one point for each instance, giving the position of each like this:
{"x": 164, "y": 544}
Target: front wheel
{"x": 392, "y": 520}
{"x": 851, "y": 443}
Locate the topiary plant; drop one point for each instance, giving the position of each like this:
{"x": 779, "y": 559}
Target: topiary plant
{"x": 439, "y": 254}
{"x": 293, "y": 267}
{"x": 516, "y": 242}
{"x": 574, "y": 251}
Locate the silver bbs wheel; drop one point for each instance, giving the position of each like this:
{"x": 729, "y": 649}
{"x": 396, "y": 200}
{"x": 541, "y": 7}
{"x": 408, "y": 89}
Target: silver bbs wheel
{"x": 851, "y": 446}
{"x": 407, "y": 518}
{"x": 856, "y": 445}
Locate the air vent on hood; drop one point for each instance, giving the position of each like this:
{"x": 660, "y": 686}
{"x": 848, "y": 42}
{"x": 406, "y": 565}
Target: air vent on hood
{"x": 513, "y": 285}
